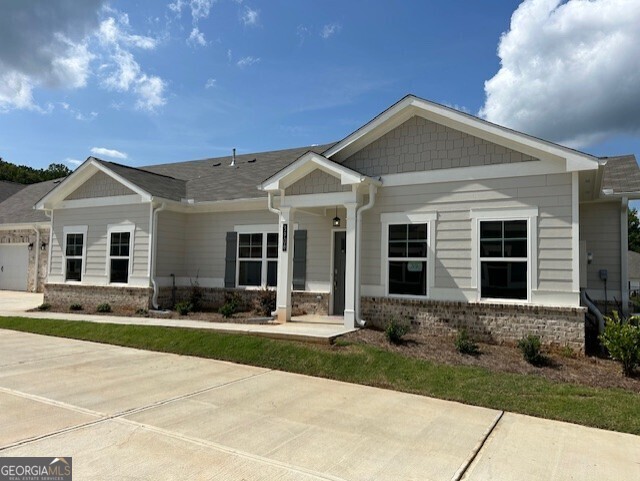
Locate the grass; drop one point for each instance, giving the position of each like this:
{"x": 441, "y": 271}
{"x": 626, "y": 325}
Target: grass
{"x": 614, "y": 409}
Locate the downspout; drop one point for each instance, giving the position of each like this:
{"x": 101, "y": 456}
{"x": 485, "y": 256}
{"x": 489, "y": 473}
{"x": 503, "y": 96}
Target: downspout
{"x": 50, "y": 216}
{"x": 372, "y": 199}
{"x": 271, "y": 207}
{"x": 37, "y": 248}
{"x": 154, "y": 248}
{"x": 624, "y": 255}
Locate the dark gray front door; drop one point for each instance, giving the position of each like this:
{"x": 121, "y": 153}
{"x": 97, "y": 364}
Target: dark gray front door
{"x": 339, "y": 263}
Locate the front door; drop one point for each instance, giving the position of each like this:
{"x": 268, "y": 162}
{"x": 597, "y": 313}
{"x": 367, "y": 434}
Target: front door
{"x": 339, "y": 264}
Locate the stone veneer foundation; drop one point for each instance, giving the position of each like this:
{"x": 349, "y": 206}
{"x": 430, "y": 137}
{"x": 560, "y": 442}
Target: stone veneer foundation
{"x": 61, "y": 296}
{"x": 485, "y": 322}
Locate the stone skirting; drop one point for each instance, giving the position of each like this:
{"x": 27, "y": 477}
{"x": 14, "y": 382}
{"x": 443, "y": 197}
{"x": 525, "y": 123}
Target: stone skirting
{"x": 122, "y": 299}
{"x": 485, "y": 322}
{"x": 214, "y": 297}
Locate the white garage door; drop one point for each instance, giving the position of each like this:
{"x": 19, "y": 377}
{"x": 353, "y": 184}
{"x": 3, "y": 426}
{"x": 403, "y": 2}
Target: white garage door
{"x": 14, "y": 265}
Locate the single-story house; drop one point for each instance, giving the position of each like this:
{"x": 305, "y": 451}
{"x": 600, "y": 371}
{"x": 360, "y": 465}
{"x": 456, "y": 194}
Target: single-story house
{"x": 24, "y": 236}
{"x": 424, "y": 213}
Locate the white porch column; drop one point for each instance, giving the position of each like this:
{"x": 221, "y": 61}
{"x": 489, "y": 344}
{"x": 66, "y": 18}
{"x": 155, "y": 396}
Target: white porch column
{"x": 285, "y": 265}
{"x": 350, "y": 267}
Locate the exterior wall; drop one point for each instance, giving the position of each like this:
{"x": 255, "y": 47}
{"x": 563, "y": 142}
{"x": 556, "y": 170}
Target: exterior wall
{"x": 172, "y": 234}
{"x": 419, "y": 145}
{"x": 27, "y": 236}
{"x": 487, "y": 322}
{"x": 99, "y": 185}
{"x": 123, "y": 299}
{"x": 97, "y": 220}
{"x": 317, "y": 182}
{"x": 453, "y": 202}
{"x": 600, "y": 229}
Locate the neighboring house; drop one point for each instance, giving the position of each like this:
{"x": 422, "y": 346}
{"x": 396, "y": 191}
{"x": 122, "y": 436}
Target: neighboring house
{"x": 24, "y": 236}
{"x": 634, "y": 273}
{"x": 424, "y": 213}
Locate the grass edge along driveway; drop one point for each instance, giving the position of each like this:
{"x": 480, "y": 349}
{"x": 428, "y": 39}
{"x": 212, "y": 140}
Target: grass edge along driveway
{"x": 613, "y": 409}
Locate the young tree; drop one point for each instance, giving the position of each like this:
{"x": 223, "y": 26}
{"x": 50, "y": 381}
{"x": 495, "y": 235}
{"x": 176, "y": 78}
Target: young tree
{"x": 634, "y": 230}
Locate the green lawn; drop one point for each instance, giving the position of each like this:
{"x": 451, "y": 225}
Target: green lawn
{"x": 614, "y": 409}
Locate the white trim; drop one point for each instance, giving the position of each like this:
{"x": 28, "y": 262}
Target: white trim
{"x": 530, "y": 215}
{"x": 120, "y": 228}
{"x": 319, "y": 200}
{"x": 149, "y": 250}
{"x": 460, "y": 174}
{"x": 624, "y": 255}
{"x": 101, "y": 201}
{"x": 74, "y": 229}
{"x": 26, "y": 226}
{"x": 50, "y": 244}
{"x": 257, "y": 228}
{"x": 428, "y": 218}
{"x": 575, "y": 230}
{"x": 264, "y": 260}
{"x": 332, "y": 264}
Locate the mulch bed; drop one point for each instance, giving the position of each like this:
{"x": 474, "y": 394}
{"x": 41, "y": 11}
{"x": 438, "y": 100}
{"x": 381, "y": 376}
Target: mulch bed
{"x": 586, "y": 370}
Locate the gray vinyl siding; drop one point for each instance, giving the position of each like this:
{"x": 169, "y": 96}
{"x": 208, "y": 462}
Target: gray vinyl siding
{"x": 453, "y": 202}
{"x": 317, "y": 182}
{"x": 99, "y": 185}
{"x": 420, "y": 145}
{"x": 97, "y": 219}
{"x": 600, "y": 229}
{"x": 171, "y": 232}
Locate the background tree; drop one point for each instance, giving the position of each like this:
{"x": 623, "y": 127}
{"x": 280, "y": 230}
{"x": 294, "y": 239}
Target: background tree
{"x": 28, "y": 175}
{"x": 634, "y": 230}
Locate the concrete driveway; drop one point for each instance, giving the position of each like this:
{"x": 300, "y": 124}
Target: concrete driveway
{"x": 14, "y": 301}
{"x": 129, "y": 414}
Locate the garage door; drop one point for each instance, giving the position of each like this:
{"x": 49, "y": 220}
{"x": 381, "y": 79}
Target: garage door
{"x": 14, "y": 265}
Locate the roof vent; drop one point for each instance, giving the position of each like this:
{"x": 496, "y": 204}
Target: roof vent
{"x": 217, "y": 164}
{"x": 233, "y": 159}
{"x": 251, "y": 161}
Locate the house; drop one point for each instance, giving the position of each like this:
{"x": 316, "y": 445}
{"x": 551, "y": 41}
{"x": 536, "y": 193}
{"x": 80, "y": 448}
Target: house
{"x": 634, "y": 272}
{"x": 424, "y": 213}
{"x": 24, "y": 236}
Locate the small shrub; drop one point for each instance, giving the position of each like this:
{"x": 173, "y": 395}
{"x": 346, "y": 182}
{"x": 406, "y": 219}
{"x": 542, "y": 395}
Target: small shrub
{"x": 227, "y": 309}
{"x": 104, "y": 307}
{"x": 75, "y": 307}
{"x": 568, "y": 352}
{"x": 142, "y": 312}
{"x": 466, "y": 345}
{"x": 196, "y": 295}
{"x": 395, "y": 331}
{"x": 531, "y": 349}
{"x": 45, "y": 306}
{"x": 183, "y": 308}
{"x": 622, "y": 340}
{"x": 266, "y": 301}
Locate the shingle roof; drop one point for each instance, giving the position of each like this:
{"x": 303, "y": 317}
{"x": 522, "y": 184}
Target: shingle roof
{"x": 7, "y": 189}
{"x": 212, "y": 179}
{"x": 155, "y": 184}
{"x": 621, "y": 174}
{"x": 18, "y": 208}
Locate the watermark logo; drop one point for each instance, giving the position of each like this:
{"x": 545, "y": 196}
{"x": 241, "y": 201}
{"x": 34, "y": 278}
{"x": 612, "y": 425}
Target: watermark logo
{"x": 36, "y": 469}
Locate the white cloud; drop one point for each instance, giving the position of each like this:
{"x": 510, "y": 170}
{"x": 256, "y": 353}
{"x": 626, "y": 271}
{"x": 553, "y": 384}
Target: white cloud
{"x": 570, "y": 71}
{"x": 199, "y": 8}
{"x": 123, "y": 72}
{"x": 330, "y": 29}
{"x": 16, "y": 92}
{"x": 112, "y": 153}
{"x": 115, "y": 32}
{"x": 229, "y": 55}
{"x": 196, "y": 38}
{"x": 211, "y": 82}
{"x": 150, "y": 92}
{"x": 247, "y": 61}
{"x": 249, "y": 16}
{"x": 73, "y": 162}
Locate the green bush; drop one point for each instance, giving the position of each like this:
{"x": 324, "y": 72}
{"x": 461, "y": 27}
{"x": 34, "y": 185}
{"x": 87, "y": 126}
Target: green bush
{"x": 196, "y": 295}
{"x": 466, "y": 345}
{"x": 228, "y": 309}
{"x": 183, "y": 308}
{"x": 396, "y": 330}
{"x": 622, "y": 340}
{"x": 531, "y": 350}
{"x": 104, "y": 307}
{"x": 266, "y": 301}
{"x": 45, "y": 306}
{"x": 75, "y": 307}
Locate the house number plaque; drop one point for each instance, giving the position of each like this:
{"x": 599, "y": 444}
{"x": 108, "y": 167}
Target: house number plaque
{"x": 284, "y": 237}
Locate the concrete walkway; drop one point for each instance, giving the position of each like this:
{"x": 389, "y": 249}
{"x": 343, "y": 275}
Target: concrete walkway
{"x": 129, "y": 414}
{"x": 17, "y": 303}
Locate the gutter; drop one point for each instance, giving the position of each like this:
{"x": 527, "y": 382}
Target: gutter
{"x": 154, "y": 248}
{"x": 372, "y": 199}
{"x": 37, "y": 248}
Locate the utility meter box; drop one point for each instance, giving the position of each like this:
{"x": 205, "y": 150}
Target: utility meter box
{"x": 603, "y": 274}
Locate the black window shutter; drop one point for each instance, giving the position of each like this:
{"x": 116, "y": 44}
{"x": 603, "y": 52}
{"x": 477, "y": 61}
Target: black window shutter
{"x": 230, "y": 260}
{"x": 299, "y": 259}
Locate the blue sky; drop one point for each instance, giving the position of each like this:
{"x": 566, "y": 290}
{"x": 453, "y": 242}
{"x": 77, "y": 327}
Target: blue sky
{"x": 151, "y": 82}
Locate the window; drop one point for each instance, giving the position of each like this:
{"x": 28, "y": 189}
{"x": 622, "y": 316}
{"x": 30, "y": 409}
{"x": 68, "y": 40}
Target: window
{"x": 119, "y": 257}
{"x": 407, "y": 259}
{"x": 74, "y": 249}
{"x": 258, "y": 259}
{"x": 503, "y": 259}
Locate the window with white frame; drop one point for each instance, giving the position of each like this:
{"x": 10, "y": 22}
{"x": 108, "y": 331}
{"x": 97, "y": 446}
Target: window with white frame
{"x": 75, "y": 239}
{"x": 119, "y": 255}
{"x": 503, "y": 258}
{"x": 407, "y": 258}
{"x": 257, "y": 259}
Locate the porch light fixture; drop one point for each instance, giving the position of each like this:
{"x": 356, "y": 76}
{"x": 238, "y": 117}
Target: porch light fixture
{"x": 31, "y": 246}
{"x": 336, "y": 219}
{"x": 43, "y": 246}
